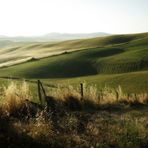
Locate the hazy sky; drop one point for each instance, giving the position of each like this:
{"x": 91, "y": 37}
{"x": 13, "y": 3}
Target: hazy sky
{"x": 38, "y": 17}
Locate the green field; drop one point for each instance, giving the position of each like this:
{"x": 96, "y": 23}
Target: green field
{"x": 112, "y": 61}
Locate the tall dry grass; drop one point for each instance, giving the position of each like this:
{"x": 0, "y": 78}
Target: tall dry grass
{"x": 14, "y": 96}
{"x": 97, "y": 96}
{"x": 100, "y": 128}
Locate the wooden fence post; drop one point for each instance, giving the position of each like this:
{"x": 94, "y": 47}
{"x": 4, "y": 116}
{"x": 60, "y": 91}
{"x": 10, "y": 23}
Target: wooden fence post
{"x": 82, "y": 91}
{"x": 44, "y": 92}
{"x": 40, "y": 90}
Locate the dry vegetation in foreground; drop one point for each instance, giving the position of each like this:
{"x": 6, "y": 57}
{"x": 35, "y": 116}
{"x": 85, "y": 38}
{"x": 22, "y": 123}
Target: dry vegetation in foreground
{"x": 105, "y": 118}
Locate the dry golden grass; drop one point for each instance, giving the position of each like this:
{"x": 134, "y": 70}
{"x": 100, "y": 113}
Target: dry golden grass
{"x": 99, "y": 97}
{"x": 14, "y": 96}
{"x": 62, "y": 93}
{"x": 126, "y": 127}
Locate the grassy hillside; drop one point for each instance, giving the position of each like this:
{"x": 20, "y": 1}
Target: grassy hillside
{"x": 11, "y": 51}
{"x": 123, "y": 54}
{"x": 106, "y": 60}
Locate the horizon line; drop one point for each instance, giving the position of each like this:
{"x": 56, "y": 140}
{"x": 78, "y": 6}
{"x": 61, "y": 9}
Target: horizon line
{"x": 68, "y": 33}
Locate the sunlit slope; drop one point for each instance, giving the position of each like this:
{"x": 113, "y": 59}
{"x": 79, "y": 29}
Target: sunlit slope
{"x": 119, "y": 54}
{"x": 17, "y": 52}
{"x": 134, "y": 82}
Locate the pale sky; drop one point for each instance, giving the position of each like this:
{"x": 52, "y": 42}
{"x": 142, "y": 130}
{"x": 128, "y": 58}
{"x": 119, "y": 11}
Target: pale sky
{"x": 38, "y": 17}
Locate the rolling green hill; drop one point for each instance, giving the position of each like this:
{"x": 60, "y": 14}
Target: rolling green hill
{"x": 14, "y": 51}
{"x": 113, "y": 60}
{"x": 116, "y": 54}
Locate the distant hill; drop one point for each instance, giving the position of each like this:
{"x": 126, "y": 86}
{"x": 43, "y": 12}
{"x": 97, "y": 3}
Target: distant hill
{"x": 53, "y": 37}
{"x": 67, "y": 36}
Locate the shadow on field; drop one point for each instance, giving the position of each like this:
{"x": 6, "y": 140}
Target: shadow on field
{"x": 71, "y": 103}
{"x": 12, "y": 138}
